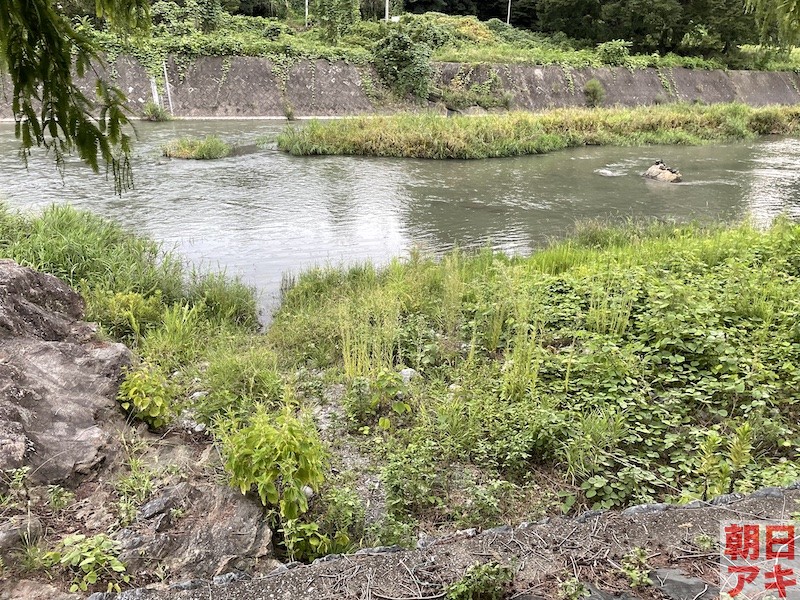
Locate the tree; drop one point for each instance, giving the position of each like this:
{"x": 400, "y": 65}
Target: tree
{"x": 577, "y": 18}
{"x": 778, "y": 19}
{"x": 650, "y": 25}
{"x": 43, "y": 55}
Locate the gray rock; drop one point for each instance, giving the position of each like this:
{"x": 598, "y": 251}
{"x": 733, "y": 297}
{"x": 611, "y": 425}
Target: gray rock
{"x": 499, "y": 530}
{"x": 328, "y": 558}
{"x": 643, "y": 509}
{"x": 380, "y": 550}
{"x": 408, "y": 374}
{"x": 726, "y": 499}
{"x": 229, "y": 578}
{"x": 58, "y": 385}
{"x": 677, "y": 586}
{"x": 136, "y": 594}
{"x": 156, "y": 507}
{"x": 19, "y": 529}
{"x": 192, "y": 584}
{"x": 589, "y": 514}
{"x": 221, "y": 531}
{"x": 660, "y": 172}
{"x": 768, "y": 492}
{"x": 102, "y": 596}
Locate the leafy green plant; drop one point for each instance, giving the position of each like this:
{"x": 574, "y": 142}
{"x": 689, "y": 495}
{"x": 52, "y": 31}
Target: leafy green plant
{"x": 58, "y": 498}
{"x": 572, "y": 589}
{"x": 279, "y": 454}
{"x": 147, "y": 394}
{"x": 91, "y": 560}
{"x": 15, "y": 481}
{"x": 304, "y": 541}
{"x": 615, "y": 53}
{"x": 594, "y": 92}
{"x": 32, "y": 557}
{"x": 488, "y": 581}
{"x": 636, "y": 569}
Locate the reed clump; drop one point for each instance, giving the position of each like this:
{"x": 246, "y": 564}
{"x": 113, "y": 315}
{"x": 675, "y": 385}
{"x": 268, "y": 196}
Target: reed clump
{"x": 208, "y": 148}
{"x": 514, "y": 134}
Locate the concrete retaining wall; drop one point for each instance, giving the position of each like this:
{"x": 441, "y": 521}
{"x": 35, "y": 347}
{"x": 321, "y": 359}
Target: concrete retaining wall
{"x": 257, "y": 87}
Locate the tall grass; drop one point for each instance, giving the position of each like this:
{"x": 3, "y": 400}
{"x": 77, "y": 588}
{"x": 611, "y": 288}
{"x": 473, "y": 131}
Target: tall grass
{"x": 209, "y": 148}
{"x": 118, "y": 271}
{"x": 437, "y": 137}
{"x": 604, "y": 360}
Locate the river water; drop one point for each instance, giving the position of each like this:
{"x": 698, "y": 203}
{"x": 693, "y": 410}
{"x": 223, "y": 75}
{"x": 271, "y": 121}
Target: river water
{"x": 264, "y": 214}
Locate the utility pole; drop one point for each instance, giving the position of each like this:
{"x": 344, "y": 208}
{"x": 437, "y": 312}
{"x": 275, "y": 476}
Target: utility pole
{"x": 387, "y": 10}
{"x": 306, "y": 14}
{"x": 508, "y": 19}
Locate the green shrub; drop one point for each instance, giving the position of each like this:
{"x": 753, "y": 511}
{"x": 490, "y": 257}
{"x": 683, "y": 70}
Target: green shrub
{"x": 155, "y": 112}
{"x": 239, "y": 376}
{"x": 279, "y": 454}
{"x": 209, "y": 148}
{"x": 179, "y": 339}
{"x": 404, "y": 65}
{"x": 615, "y": 53}
{"x": 487, "y": 581}
{"x": 147, "y": 394}
{"x": 89, "y": 252}
{"x": 594, "y": 93}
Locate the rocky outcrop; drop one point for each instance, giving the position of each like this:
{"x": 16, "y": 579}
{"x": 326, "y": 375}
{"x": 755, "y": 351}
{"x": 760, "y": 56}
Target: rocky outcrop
{"x": 219, "y": 531}
{"x": 57, "y": 382}
{"x": 658, "y": 171}
{"x": 60, "y": 424}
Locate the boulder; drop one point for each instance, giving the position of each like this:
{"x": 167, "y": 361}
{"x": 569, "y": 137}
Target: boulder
{"x": 221, "y": 532}
{"x": 658, "y": 171}
{"x": 57, "y": 382}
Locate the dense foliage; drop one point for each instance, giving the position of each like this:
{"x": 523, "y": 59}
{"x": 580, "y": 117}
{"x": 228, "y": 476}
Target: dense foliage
{"x": 514, "y": 134}
{"x": 627, "y": 365}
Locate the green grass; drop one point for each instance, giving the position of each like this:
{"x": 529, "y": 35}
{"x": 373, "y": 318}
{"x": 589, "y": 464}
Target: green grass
{"x": 595, "y": 372}
{"x": 626, "y": 364}
{"x": 438, "y": 137}
{"x": 208, "y": 148}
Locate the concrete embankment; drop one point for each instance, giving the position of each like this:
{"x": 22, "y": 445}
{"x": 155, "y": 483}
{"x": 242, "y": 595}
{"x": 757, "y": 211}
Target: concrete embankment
{"x": 258, "y": 87}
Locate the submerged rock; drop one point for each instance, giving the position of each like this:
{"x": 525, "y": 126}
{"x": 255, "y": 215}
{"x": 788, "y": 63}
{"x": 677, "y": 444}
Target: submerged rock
{"x": 661, "y": 172}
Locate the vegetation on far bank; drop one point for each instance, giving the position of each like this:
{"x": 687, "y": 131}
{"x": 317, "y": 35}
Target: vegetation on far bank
{"x": 404, "y": 53}
{"x": 626, "y": 365}
{"x": 437, "y": 137}
{"x": 208, "y": 148}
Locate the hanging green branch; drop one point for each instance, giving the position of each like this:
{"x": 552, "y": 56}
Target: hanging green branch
{"x": 43, "y": 55}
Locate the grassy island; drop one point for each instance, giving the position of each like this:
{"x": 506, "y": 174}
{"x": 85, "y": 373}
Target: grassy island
{"x": 209, "y": 148}
{"x": 625, "y": 365}
{"x": 515, "y": 134}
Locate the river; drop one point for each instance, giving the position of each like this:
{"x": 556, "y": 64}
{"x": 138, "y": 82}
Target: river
{"x": 265, "y": 214}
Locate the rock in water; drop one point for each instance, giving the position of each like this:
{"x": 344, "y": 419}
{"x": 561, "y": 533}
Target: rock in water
{"x": 660, "y": 172}
{"x": 57, "y": 382}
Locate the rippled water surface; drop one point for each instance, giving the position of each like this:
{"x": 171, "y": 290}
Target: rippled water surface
{"x": 264, "y": 214}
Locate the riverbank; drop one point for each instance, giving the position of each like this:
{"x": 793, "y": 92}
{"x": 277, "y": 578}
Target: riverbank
{"x": 623, "y": 366}
{"x": 515, "y": 134}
